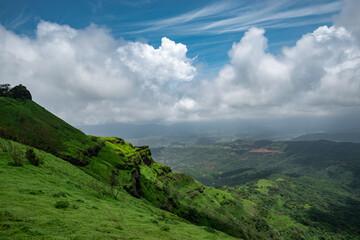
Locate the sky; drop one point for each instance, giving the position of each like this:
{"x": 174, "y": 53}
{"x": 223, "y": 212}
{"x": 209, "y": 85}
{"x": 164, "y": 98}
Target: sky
{"x": 147, "y": 61}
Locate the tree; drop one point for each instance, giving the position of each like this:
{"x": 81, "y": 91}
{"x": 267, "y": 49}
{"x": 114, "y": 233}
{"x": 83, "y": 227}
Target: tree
{"x": 19, "y": 91}
{"x": 4, "y": 88}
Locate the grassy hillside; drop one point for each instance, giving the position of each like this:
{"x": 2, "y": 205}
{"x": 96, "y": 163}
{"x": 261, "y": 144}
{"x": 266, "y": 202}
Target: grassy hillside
{"x": 59, "y": 201}
{"x": 55, "y": 200}
{"x": 323, "y": 208}
{"x": 26, "y": 122}
{"x": 116, "y": 190}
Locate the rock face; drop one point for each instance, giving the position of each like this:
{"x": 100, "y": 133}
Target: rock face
{"x": 178, "y": 193}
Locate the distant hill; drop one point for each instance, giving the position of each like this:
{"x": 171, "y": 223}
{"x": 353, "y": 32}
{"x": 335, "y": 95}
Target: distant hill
{"x": 322, "y": 174}
{"x": 336, "y": 136}
{"x": 239, "y": 162}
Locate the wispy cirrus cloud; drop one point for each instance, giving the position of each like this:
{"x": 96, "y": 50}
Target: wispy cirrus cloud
{"x": 19, "y": 20}
{"x": 207, "y": 12}
{"x": 231, "y": 16}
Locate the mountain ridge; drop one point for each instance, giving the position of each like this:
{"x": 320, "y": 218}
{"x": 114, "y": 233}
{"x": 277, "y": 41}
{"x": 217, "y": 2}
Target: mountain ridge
{"x": 121, "y": 170}
{"x": 337, "y": 136}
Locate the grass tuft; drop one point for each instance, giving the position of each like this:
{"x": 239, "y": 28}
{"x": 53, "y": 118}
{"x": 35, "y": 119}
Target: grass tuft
{"x": 62, "y": 204}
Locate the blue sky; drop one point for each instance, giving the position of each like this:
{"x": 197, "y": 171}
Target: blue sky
{"x": 207, "y": 28}
{"x": 99, "y": 62}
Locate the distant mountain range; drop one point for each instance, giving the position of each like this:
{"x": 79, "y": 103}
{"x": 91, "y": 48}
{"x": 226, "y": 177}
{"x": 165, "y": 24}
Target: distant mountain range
{"x": 336, "y": 136}
{"x": 322, "y": 174}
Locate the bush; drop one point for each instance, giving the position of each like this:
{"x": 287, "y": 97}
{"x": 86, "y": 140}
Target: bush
{"x": 31, "y": 156}
{"x": 165, "y": 228}
{"x": 3, "y": 146}
{"x": 4, "y": 88}
{"x": 16, "y": 154}
{"x": 59, "y": 194}
{"x": 62, "y": 204}
{"x": 210, "y": 229}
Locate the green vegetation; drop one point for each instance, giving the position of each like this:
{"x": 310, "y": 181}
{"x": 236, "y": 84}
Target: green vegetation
{"x": 58, "y": 183}
{"x": 315, "y": 184}
{"x": 32, "y": 158}
{"x": 58, "y": 200}
{"x": 26, "y": 122}
{"x": 239, "y": 162}
{"x": 17, "y": 92}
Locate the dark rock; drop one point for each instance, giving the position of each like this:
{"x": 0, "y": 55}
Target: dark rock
{"x": 134, "y": 188}
{"x": 94, "y": 151}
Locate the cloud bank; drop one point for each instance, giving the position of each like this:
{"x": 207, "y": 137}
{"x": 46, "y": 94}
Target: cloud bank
{"x": 87, "y": 77}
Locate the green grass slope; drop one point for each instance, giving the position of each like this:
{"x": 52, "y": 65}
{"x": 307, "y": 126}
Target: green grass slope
{"x": 117, "y": 164}
{"x": 26, "y": 122}
{"x": 324, "y": 208}
{"x": 59, "y": 201}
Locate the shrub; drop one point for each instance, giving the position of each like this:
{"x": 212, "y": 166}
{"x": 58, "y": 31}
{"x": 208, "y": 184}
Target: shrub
{"x": 113, "y": 180}
{"x": 7, "y": 216}
{"x": 59, "y": 194}
{"x": 154, "y": 221}
{"x": 118, "y": 227}
{"x": 74, "y": 206}
{"x": 3, "y": 146}
{"x": 165, "y": 228}
{"x": 210, "y": 229}
{"x": 62, "y": 204}
{"x": 4, "y": 88}
{"x": 16, "y": 154}
{"x": 32, "y": 158}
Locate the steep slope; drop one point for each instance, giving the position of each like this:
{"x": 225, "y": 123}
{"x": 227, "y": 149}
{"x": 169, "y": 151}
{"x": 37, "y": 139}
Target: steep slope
{"x": 27, "y": 122}
{"x": 122, "y": 166}
{"x": 59, "y": 201}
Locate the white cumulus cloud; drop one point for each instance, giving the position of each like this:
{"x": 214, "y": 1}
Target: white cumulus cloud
{"x": 88, "y": 77}
{"x": 319, "y": 75}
